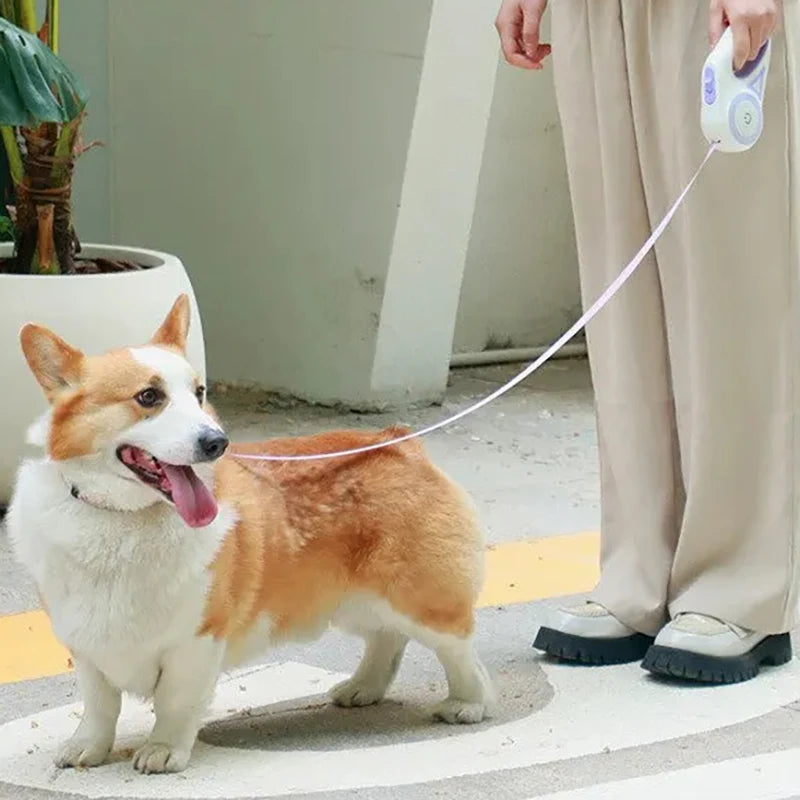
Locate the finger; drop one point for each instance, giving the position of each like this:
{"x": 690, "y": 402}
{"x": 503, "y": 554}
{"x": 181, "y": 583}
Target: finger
{"x": 741, "y": 43}
{"x": 508, "y": 26}
{"x": 766, "y": 28}
{"x": 535, "y": 60}
{"x": 523, "y": 62}
{"x": 773, "y": 21}
{"x": 758, "y": 35}
{"x": 510, "y": 46}
{"x": 716, "y": 23}
{"x": 530, "y": 31}
{"x": 542, "y": 51}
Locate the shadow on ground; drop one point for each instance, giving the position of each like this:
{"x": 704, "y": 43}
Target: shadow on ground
{"x": 312, "y": 723}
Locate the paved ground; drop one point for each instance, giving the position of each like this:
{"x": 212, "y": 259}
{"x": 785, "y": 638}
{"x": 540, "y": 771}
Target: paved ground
{"x": 559, "y": 733}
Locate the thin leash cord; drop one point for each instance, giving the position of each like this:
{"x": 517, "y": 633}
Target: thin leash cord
{"x": 587, "y": 317}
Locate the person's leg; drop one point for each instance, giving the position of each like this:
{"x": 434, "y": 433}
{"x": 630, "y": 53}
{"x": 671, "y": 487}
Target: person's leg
{"x": 730, "y": 268}
{"x": 641, "y": 494}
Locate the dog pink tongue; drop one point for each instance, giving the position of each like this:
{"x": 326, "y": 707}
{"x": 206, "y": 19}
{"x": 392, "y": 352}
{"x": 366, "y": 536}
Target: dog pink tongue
{"x": 194, "y": 502}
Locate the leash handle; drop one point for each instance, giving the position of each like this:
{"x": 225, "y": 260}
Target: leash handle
{"x": 732, "y": 108}
{"x": 588, "y": 315}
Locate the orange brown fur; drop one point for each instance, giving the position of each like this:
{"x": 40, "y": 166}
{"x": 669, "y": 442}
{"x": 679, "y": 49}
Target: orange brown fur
{"x": 386, "y": 522}
{"x": 175, "y": 328}
{"x": 101, "y": 403}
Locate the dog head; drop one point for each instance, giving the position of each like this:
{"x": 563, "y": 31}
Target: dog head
{"x": 132, "y": 422}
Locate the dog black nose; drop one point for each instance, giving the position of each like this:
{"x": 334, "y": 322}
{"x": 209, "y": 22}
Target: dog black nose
{"x": 212, "y": 444}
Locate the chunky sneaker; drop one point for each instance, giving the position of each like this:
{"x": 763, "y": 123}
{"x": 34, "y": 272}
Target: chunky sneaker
{"x": 590, "y": 634}
{"x": 700, "y": 648}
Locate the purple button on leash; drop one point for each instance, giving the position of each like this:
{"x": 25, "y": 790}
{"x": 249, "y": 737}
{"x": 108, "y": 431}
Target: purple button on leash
{"x": 709, "y": 86}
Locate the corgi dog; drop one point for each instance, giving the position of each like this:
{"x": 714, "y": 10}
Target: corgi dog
{"x": 162, "y": 559}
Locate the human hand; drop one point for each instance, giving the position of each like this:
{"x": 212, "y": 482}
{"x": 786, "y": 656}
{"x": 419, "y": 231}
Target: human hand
{"x": 518, "y": 23}
{"x": 751, "y": 21}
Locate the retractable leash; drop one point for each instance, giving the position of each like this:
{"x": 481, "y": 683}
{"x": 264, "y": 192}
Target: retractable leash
{"x": 732, "y": 111}
{"x": 732, "y": 120}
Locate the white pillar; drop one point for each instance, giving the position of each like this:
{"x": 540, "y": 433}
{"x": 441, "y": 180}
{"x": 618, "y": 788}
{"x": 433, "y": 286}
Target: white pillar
{"x": 432, "y": 232}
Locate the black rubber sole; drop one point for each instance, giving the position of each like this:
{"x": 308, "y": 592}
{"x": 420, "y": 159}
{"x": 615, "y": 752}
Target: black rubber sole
{"x": 685, "y": 665}
{"x": 590, "y": 650}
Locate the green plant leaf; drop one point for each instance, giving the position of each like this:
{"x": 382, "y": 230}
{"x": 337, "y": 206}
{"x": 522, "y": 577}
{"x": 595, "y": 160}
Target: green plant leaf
{"x": 35, "y": 84}
{"x": 7, "y": 230}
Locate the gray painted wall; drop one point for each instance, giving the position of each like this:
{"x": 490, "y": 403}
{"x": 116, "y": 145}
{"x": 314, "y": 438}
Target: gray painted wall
{"x": 267, "y": 148}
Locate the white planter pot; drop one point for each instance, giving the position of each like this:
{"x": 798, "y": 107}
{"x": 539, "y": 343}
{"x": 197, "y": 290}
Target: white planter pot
{"x": 92, "y": 312}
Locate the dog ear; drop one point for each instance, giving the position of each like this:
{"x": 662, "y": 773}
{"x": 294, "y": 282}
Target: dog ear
{"x": 55, "y": 364}
{"x": 175, "y": 328}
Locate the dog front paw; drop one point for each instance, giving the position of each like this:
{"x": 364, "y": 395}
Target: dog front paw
{"x": 82, "y": 751}
{"x": 153, "y": 758}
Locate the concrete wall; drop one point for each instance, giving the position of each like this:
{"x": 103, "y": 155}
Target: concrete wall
{"x": 264, "y": 142}
{"x": 84, "y": 46}
{"x": 520, "y": 282}
{"x": 348, "y": 210}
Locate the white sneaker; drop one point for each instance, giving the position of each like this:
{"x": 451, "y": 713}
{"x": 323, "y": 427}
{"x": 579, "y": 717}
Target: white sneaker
{"x": 702, "y": 648}
{"x": 590, "y": 634}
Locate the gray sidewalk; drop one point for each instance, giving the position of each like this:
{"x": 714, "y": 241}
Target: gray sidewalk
{"x": 559, "y": 732}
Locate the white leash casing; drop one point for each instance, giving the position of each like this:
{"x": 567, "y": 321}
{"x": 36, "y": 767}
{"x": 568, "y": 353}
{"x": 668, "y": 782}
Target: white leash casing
{"x": 732, "y": 113}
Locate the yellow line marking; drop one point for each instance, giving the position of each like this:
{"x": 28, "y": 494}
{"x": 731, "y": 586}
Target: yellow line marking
{"x": 29, "y": 649}
{"x": 519, "y": 572}
{"x": 516, "y": 572}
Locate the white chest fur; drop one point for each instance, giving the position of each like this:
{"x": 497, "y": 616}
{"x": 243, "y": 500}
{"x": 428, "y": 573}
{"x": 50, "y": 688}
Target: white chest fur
{"x": 120, "y": 588}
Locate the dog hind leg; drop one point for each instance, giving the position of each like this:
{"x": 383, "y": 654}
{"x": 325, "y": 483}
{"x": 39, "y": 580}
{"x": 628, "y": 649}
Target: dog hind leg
{"x": 379, "y": 664}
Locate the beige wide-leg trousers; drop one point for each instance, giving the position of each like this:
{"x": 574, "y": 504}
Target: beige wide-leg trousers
{"x": 696, "y": 363}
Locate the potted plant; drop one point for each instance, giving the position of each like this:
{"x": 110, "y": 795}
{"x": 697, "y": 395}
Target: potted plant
{"x": 99, "y": 296}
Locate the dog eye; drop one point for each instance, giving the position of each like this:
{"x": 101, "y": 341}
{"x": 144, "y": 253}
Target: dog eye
{"x": 200, "y": 394}
{"x": 148, "y": 398}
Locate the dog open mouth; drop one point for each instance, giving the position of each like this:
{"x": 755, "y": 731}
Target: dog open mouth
{"x": 178, "y": 483}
